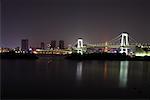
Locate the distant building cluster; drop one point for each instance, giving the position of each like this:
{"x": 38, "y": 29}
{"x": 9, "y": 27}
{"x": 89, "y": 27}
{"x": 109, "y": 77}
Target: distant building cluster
{"x": 58, "y": 47}
{"x": 53, "y": 45}
{"x": 47, "y": 48}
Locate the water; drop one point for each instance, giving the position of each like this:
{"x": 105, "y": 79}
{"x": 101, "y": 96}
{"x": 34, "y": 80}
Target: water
{"x": 50, "y": 77}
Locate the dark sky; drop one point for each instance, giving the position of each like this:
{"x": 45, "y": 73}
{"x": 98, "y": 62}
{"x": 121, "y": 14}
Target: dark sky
{"x": 93, "y": 20}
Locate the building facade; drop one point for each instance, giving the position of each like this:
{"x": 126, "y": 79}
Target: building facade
{"x": 61, "y": 44}
{"x": 42, "y": 45}
{"x": 24, "y": 44}
{"x": 53, "y": 44}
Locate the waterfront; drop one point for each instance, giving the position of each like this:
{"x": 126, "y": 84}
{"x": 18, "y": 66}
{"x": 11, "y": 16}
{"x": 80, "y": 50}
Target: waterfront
{"x": 56, "y": 77}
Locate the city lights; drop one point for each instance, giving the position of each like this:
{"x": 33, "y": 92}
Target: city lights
{"x": 85, "y": 49}
{"x": 142, "y": 54}
{"x": 81, "y": 48}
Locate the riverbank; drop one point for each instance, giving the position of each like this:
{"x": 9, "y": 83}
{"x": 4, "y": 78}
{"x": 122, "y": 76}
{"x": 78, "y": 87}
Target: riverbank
{"x": 75, "y": 56}
{"x": 106, "y": 56}
{"x": 13, "y": 55}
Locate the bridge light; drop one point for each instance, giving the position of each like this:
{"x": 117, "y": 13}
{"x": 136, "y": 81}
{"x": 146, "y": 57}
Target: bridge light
{"x": 115, "y": 51}
{"x": 35, "y": 52}
{"x": 142, "y": 54}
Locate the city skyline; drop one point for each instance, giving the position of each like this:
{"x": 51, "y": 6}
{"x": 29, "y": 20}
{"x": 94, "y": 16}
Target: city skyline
{"x": 93, "y": 20}
{"x": 25, "y": 44}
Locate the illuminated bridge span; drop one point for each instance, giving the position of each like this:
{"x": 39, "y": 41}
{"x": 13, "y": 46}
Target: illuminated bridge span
{"x": 123, "y": 42}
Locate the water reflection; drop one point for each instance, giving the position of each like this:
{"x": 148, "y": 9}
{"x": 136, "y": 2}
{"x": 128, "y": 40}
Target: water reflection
{"x": 79, "y": 71}
{"x": 105, "y": 71}
{"x": 123, "y": 76}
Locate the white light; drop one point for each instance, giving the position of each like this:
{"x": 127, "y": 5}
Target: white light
{"x": 38, "y": 50}
{"x": 30, "y": 49}
{"x": 35, "y": 52}
{"x": 115, "y": 51}
{"x": 124, "y": 39}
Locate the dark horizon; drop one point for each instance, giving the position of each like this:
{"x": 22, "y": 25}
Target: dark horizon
{"x": 93, "y": 20}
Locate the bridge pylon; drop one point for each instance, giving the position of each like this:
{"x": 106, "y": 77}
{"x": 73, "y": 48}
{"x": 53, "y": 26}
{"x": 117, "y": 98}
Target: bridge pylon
{"x": 80, "y": 46}
{"x": 106, "y": 47}
{"x": 124, "y": 44}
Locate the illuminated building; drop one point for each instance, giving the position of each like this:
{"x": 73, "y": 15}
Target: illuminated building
{"x": 140, "y": 51}
{"x": 4, "y": 50}
{"x": 24, "y": 44}
{"x": 53, "y": 44}
{"x": 61, "y": 44}
{"x": 142, "y": 54}
{"x": 42, "y": 45}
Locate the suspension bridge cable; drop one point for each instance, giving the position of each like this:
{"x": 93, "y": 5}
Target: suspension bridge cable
{"x": 132, "y": 39}
{"x": 116, "y": 38}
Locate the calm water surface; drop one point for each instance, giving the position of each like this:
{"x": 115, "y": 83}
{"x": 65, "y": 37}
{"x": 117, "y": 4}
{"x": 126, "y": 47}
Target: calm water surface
{"x": 50, "y": 77}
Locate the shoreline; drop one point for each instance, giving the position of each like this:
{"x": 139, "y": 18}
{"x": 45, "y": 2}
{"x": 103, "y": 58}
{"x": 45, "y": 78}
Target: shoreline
{"x": 106, "y": 56}
{"x": 75, "y": 56}
{"x": 12, "y": 55}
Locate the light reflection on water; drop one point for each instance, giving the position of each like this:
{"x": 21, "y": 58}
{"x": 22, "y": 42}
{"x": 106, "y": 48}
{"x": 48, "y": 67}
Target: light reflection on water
{"x": 79, "y": 70}
{"x": 123, "y": 76}
{"x": 59, "y": 77}
{"x": 116, "y": 73}
{"x": 105, "y": 71}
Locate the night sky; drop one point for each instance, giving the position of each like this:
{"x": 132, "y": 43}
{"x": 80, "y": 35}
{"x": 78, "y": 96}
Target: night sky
{"x": 93, "y": 20}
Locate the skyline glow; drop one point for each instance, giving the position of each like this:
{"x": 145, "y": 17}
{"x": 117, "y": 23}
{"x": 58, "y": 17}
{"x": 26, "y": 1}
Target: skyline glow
{"x": 93, "y": 20}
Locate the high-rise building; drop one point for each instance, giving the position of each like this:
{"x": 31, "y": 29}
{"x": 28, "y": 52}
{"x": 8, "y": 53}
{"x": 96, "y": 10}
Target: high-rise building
{"x": 61, "y": 44}
{"x": 42, "y": 45}
{"x": 53, "y": 44}
{"x": 24, "y": 44}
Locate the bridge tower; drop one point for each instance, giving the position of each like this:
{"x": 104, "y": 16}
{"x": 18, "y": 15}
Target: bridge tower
{"x": 124, "y": 43}
{"x": 80, "y": 46}
{"x": 106, "y": 47}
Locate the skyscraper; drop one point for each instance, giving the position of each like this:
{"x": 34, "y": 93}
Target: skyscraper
{"x": 42, "y": 45}
{"x": 61, "y": 44}
{"x": 24, "y": 44}
{"x": 53, "y": 44}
